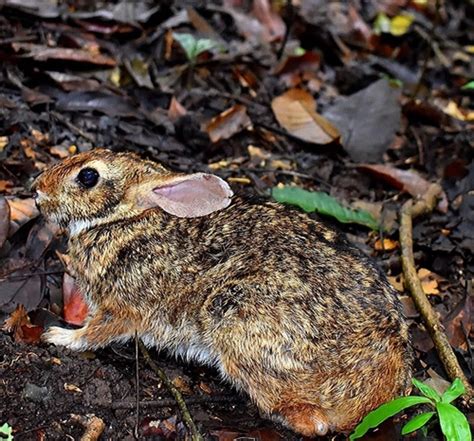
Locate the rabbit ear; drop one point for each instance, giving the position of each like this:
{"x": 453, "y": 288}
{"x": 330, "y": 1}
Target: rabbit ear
{"x": 190, "y": 195}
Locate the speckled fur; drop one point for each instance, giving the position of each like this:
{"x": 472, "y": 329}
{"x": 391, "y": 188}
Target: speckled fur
{"x": 282, "y": 305}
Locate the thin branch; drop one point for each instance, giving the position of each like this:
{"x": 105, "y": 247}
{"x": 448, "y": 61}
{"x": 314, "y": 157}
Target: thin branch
{"x": 195, "y": 435}
{"x": 445, "y": 352}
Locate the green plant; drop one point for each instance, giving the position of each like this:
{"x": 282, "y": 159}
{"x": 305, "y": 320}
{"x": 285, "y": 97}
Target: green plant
{"x": 323, "y": 203}
{"x": 453, "y": 423}
{"x": 193, "y": 46}
{"x": 6, "y": 432}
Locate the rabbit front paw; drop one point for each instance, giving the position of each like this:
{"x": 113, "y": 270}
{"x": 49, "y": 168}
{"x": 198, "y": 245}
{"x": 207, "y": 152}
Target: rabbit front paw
{"x": 71, "y": 338}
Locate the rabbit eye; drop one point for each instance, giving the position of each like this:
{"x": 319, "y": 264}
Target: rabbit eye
{"x": 88, "y": 177}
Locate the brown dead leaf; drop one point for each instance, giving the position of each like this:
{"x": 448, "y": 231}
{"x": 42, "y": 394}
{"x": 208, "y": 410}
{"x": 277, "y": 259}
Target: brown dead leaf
{"x": 404, "y": 180}
{"x": 459, "y": 324}
{"x": 295, "y": 111}
{"x": 397, "y": 282}
{"x": 69, "y": 387}
{"x": 4, "y": 220}
{"x": 39, "y": 137}
{"x": 20, "y": 325}
{"x": 21, "y": 212}
{"x": 205, "y": 388}
{"x": 75, "y": 308}
{"x": 175, "y": 110}
{"x": 228, "y": 123}
{"x": 274, "y": 26}
{"x": 3, "y": 142}
{"x": 409, "y": 308}
{"x": 27, "y": 146}
{"x": 5, "y": 186}
{"x": 452, "y": 109}
{"x": 385, "y": 244}
{"x": 429, "y": 281}
{"x": 182, "y": 385}
{"x": 42, "y": 53}
{"x": 293, "y": 68}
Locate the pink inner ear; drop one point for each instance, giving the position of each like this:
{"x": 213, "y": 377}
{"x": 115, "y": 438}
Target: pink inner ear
{"x": 193, "y": 196}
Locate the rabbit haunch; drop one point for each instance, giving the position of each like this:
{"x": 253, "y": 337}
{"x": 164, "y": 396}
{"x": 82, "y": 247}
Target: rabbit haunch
{"x": 283, "y": 306}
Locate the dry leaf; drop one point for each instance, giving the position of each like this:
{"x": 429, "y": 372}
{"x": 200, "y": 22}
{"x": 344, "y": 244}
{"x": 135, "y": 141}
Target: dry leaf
{"x": 452, "y": 109}
{"x": 385, "y": 245}
{"x": 23, "y": 331}
{"x": 429, "y": 281}
{"x": 405, "y": 180}
{"x": 5, "y": 186}
{"x": 182, "y": 385}
{"x": 3, "y": 142}
{"x": 397, "y": 282}
{"x": 274, "y": 26}
{"x": 295, "y": 111}
{"x": 205, "y": 388}
{"x": 72, "y": 388}
{"x": 259, "y": 153}
{"x": 409, "y": 308}
{"x": 175, "y": 110}
{"x": 459, "y": 326}
{"x": 21, "y": 212}
{"x": 228, "y": 123}
{"x": 4, "y": 220}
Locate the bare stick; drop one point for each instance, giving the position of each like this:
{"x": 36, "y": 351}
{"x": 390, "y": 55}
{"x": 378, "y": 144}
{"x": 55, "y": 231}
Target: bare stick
{"x": 436, "y": 330}
{"x": 195, "y": 435}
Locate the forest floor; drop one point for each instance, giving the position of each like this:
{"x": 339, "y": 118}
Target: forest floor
{"x": 368, "y": 101}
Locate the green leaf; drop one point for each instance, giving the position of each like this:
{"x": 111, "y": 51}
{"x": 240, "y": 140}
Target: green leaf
{"x": 6, "y": 430}
{"x": 322, "y": 203}
{"x": 417, "y": 422}
{"x": 381, "y": 24}
{"x": 453, "y": 423}
{"x": 426, "y": 390}
{"x": 384, "y": 412}
{"x": 452, "y": 392}
{"x": 192, "y": 46}
{"x": 468, "y": 86}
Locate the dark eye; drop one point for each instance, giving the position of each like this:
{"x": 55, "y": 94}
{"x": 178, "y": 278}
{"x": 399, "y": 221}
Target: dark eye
{"x": 88, "y": 177}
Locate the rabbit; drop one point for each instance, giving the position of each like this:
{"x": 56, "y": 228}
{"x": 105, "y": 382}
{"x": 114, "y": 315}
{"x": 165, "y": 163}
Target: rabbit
{"x": 282, "y": 305}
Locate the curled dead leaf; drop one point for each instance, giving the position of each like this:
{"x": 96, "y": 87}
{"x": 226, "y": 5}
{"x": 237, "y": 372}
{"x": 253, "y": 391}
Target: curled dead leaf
{"x": 295, "y": 111}
{"x": 21, "y": 212}
{"x": 385, "y": 244}
{"x": 228, "y": 123}
{"x": 404, "y": 180}
{"x": 19, "y": 324}
{"x": 429, "y": 281}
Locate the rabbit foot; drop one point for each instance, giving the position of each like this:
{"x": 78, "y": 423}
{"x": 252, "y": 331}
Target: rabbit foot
{"x": 306, "y": 419}
{"x": 70, "y": 338}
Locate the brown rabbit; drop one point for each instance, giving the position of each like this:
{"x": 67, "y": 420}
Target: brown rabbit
{"x": 282, "y": 305}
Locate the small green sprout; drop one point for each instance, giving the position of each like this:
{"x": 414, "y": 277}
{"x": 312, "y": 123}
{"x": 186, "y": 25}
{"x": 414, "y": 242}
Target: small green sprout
{"x": 454, "y": 424}
{"x": 6, "y": 432}
{"x": 193, "y": 46}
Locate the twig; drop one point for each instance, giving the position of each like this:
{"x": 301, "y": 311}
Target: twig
{"x": 94, "y": 426}
{"x": 171, "y": 402}
{"x": 72, "y": 127}
{"x": 137, "y": 390}
{"x": 445, "y": 352}
{"x": 195, "y": 435}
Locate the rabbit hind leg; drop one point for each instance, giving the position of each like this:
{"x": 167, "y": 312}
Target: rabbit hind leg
{"x": 306, "y": 419}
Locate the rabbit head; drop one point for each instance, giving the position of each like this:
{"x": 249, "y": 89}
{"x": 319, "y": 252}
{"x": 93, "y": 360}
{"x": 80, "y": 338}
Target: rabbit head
{"x": 101, "y": 186}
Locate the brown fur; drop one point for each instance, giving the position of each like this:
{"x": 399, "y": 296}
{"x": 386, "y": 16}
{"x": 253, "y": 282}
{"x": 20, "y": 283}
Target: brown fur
{"x": 281, "y": 304}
